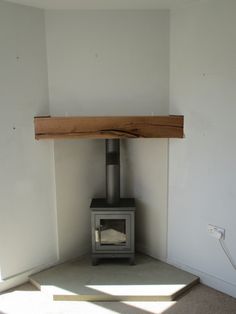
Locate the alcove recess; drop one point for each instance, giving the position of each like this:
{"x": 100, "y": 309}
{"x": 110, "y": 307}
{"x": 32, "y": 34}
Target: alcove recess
{"x": 109, "y": 127}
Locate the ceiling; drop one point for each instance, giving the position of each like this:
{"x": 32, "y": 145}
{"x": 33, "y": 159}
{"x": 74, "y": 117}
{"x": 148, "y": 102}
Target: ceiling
{"x": 105, "y": 4}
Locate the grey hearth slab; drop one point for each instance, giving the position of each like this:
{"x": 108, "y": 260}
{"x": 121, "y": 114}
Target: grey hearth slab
{"x": 114, "y": 280}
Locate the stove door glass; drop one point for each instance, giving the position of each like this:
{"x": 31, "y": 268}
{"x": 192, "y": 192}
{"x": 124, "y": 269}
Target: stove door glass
{"x": 113, "y": 232}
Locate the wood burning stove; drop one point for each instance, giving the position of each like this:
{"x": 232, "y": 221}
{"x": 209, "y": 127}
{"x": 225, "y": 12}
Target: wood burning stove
{"x": 113, "y": 218}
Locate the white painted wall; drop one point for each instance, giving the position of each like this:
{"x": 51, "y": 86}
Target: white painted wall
{"x": 146, "y": 167}
{"x": 80, "y": 166}
{"x": 109, "y": 63}
{"x": 27, "y": 214}
{"x": 202, "y": 175}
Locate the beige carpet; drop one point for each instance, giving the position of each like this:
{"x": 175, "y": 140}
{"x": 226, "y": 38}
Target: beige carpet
{"x": 199, "y": 300}
{"x": 204, "y": 300}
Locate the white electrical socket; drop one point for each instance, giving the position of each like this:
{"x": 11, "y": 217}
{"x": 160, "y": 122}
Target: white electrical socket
{"x": 216, "y": 232}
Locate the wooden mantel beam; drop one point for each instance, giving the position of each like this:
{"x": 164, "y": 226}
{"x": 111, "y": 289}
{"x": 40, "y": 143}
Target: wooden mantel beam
{"x": 99, "y": 127}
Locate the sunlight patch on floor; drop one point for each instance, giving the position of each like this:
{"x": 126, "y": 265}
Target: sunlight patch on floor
{"x": 137, "y": 290}
{"x": 36, "y": 302}
{"x": 51, "y": 289}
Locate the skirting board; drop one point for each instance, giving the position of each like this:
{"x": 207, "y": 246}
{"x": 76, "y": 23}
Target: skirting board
{"x": 206, "y": 279}
{"x": 14, "y": 281}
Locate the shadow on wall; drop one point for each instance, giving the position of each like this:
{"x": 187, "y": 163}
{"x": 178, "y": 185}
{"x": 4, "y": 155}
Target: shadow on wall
{"x": 141, "y": 225}
{"x": 144, "y": 177}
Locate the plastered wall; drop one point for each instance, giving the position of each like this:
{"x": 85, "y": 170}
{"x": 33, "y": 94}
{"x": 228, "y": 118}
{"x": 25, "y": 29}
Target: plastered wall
{"x": 202, "y": 166}
{"x": 27, "y": 209}
{"x": 109, "y": 63}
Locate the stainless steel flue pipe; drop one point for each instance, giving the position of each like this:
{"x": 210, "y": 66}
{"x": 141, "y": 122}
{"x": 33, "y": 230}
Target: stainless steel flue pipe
{"x": 113, "y": 171}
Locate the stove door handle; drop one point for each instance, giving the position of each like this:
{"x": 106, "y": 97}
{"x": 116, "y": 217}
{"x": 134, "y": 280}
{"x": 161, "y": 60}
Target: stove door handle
{"x": 98, "y": 235}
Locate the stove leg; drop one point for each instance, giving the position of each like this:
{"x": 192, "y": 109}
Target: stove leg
{"x": 94, "y": 261}
{"x": 132, "y": 260}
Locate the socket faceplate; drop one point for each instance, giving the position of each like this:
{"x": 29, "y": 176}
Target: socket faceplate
{"x": 216, "y": 232}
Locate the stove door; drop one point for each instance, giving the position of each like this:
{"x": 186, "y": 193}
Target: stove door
{"x": 112, "y": 232}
